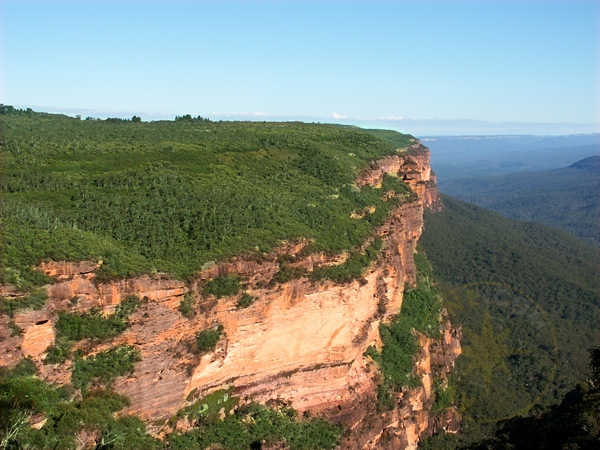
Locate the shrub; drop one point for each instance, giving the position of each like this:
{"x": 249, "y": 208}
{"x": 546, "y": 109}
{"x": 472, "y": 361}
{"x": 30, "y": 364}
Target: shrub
{"x": 71, "y": 328}
{"x": 104, "y": 366}
{"x": 15, "y": 330}
{"x": 444, "y": 397}
{"x": 245, "y": 300}
{"x": 287, "y": 273}
{"x": 222, "y": 286}
{"x": 207, "y": 339}
{"x": 36, "y": 300}
{"x": 186, "y": 306}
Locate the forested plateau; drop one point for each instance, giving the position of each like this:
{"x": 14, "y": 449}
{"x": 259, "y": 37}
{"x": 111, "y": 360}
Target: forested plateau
{"x": 187, "y": 284}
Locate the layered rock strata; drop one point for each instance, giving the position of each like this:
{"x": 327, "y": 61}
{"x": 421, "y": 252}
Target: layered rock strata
{"x": 301, "y": 342}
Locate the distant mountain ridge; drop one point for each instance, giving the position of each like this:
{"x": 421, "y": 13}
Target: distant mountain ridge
{"x": 477, "y": 156}
{"x": 591, "y": 163}
{"x": 566, "y": 198}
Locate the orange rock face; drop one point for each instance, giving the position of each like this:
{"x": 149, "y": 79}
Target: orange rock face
{"x": 301, "y": 342}
{"x": 414, "y": 169}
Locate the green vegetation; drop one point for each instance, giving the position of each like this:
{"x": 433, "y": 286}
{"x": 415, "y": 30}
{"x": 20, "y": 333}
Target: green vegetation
{"x": 171, "y": 196}
{"x": 574, "y": 424}
{"x": 287, "y": 272}
{"x": 421, "y": 312}
{"x": 207, "y": 340}
{"x": 222, "y": 286}
{"x": 208, "y": 409}
{"x": 250, "y": 426}
{"x": 36, "y": 300}
{"x": 395, "y": 139}
{"x": 444, "y": 396}
{"x": 352, "y": 268}
{"x": 563, "y": 198}
{"x": 186, "y": 306}
{"x": 103, "y": 367}
{"x": 526, "y": 296}
{"x": 245, "y": 300}
{"x": 25, "y": 400}
{"x": 24, "y": 368}
{"x": 71, "y": 328}
{"x": 15, "y": 330}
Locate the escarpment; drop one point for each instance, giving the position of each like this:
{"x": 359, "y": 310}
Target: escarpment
{"x": 302, "y": 341}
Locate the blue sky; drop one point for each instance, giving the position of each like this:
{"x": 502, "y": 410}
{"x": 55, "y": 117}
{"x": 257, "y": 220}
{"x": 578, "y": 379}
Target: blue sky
{"x": 427, "y": 67}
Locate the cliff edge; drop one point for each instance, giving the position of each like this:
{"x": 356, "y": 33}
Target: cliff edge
{"x": 301, "y": 342}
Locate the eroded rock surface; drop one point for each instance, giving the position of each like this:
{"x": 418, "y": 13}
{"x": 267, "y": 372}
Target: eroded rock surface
{"x": 302, "y": 342}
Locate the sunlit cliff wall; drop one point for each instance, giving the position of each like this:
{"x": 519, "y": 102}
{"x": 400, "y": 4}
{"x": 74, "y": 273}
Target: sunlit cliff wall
{"x": 302, "y": 342}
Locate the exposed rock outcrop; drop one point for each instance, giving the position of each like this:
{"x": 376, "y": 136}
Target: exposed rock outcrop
{"x": 302, "y": 342}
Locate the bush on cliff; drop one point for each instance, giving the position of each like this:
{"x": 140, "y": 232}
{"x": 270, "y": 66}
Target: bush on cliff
{"x": 245, "y": 300}
{"x": 421, "y": 312}
{"x": 353, "y": 268}
{"x": 222, "y": 286}
{"x": 255, "y": 426}
{"x": 71, "y": 328}
{"x": 207, "y": 340}
{"x": 35, "y": 300}
{"x": 104, "y": 366}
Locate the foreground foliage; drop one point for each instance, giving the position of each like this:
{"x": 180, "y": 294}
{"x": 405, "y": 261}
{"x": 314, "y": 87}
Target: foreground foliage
{"x": 69, "y": 423}
{"x": 251, "y": 426}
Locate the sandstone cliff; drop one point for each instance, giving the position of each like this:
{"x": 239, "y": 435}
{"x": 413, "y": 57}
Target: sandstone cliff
{"x": 301, "y": 342}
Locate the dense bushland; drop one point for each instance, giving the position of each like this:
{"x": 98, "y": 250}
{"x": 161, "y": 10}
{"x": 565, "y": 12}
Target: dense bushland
{"x": 218, "y": 419}
{"x": 174, "y": 195}
{"x": 526, "y": 296}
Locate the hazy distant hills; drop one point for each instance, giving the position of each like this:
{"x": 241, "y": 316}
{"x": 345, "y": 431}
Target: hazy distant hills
{"x": 567, "y": 198}
{"x": 476, "y": 156}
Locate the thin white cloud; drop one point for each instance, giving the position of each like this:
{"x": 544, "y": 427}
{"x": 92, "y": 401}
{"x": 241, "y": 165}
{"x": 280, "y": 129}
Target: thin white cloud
{"x": 338, "y": 116}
